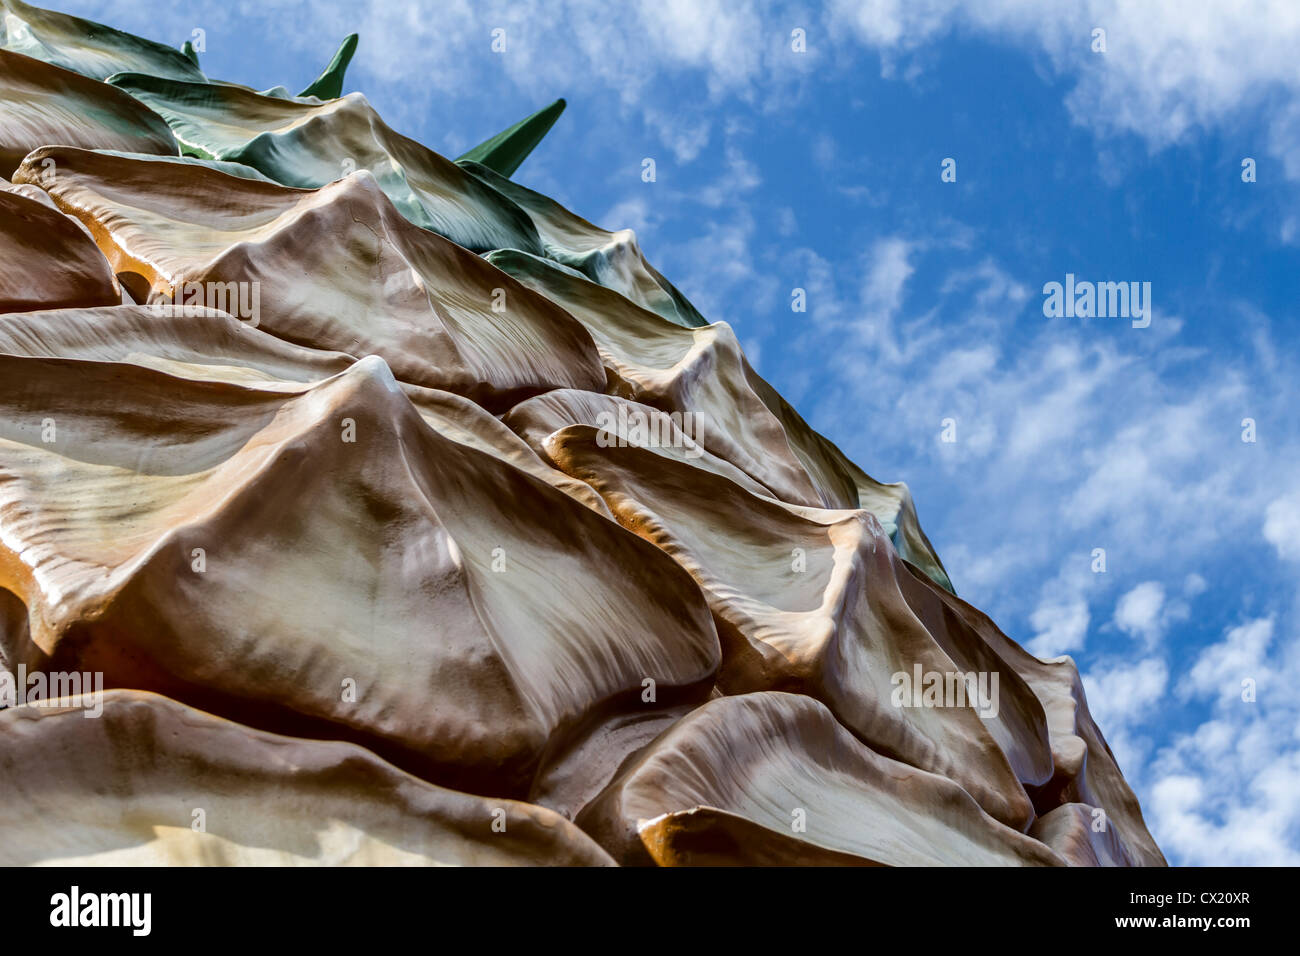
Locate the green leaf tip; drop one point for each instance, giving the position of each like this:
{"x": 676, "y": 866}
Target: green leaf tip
{"x": 505, "y": 151}
{"x": 190, "y": 53}
{"x": 329, "y": 85}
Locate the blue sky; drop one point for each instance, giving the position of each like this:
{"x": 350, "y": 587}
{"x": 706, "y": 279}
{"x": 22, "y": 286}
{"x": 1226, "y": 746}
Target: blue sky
{"x": 820, "y": 170}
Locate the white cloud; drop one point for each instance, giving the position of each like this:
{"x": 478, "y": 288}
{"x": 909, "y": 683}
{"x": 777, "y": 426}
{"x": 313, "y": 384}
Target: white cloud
{"x": 994, "y": 288}
{"x": 1138, "y": 612}
{"x": 787, "y": 223}
{"x": 1058, "y": 628}
{"x": 685, "y": 136}
{"x": 1124, "y": 693}
{"x": 739, "y": 175}
{"x": 1282, "y": 526}
{"x": 632, "y": 213}
{"x": 1221, "y": 668}
{"x": 887, "y": 272}
{"x": 1228, "y": 791}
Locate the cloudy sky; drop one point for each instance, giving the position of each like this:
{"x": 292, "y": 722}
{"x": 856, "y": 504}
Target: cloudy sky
{"x": 816, "y": 165}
